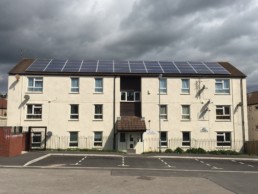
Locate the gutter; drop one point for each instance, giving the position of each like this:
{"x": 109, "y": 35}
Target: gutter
{"x": 114, "y": 113}
{"x": 242, "y": 115}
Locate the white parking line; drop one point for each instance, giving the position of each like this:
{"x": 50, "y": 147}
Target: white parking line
{"x": 250, "y": 165}
{"x": 37, "y": 159}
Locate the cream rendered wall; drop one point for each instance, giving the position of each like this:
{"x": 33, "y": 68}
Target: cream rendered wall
{"x": 174, "y": 99}
{"x": 56, "y": 99}
{"x": 253, "y": 122}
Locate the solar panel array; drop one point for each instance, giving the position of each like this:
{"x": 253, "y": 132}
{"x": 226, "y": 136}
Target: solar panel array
{"x": 140, "y": 67}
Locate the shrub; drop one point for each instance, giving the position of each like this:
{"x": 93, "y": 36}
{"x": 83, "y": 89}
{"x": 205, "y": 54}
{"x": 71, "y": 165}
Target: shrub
{"x": 224, "y": 152}
{"x": 168, "y": 151}
{"x": 196, "y": 151}
{"x": 179, "y": 150}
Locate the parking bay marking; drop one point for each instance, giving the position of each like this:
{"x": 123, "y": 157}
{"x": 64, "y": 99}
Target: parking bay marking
{"x": 166, "y": 163}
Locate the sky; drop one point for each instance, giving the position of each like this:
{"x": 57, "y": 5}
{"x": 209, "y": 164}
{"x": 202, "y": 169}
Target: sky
{"x": 178, "y": 30}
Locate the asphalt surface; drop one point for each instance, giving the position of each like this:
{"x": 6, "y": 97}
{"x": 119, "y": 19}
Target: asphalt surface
{"x": 234, "y": 174}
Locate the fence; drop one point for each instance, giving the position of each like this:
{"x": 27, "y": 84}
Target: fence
{"x": 251, "y": 147}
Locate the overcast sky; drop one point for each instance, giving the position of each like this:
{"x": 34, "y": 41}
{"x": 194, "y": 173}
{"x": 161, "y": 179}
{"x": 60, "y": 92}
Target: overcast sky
{"x": 179, "y": 30}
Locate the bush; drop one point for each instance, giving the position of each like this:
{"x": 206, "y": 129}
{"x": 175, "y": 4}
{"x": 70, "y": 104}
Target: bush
{"x": 168, "y": 151}
{"x": 224, "y": 152}
{"x": 179, "y": 150}
{"x": 196, "y": 151}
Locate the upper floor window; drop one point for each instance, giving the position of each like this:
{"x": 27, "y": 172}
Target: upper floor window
{"x": 223, "y": 112}
{"x": 99, "y": 85}
{"x": 186, "y": 112}
{"x": 34, "y": 111}
{"x": 222, "y": 86}
{"x": 35, "y": 84}
{"x": 74, "y": 111}
{"x": 98, "y": 112}
{"x": 162, "y": 86}
{"x": 185, "y": 86}
{"x": 130, "y": 96}
{"x": 74, "y": 85}
{"x": 163, "y": 112}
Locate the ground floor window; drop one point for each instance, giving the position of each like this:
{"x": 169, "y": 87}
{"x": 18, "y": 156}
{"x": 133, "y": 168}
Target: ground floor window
{"x": 122, "y": 137}
{"x": 223, "y": 138}
{"x": 73, "y": 139}
{"x": 98, "y": 139}
{"x": 186, "y": 138}
{"x": 163, "y": 139}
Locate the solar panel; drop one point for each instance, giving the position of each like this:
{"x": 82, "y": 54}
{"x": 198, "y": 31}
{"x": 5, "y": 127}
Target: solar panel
{"x": 217, "y": 68}
{"x": 200, "y": 68}
{"x": 185, "y": 67}
{"x": 168, "y": 67}
{"x": 56, "y": 65}
{"x": 137, "y": 67}
{"x": 38, "y": 65}
{"x": 89, "y": 66}
{"x": 121, "y": 67}
{"x": 105, "y": 66}
{"x": 153, "y": 67}
{"x": 72, "y": 66}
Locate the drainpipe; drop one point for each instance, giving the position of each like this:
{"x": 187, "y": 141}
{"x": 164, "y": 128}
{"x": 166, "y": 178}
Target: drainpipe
{"x": 114, "y": 112}
{"x": 242, "y": 110}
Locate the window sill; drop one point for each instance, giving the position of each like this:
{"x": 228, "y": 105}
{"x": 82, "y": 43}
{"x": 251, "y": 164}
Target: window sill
{"x": 185, "y": 120}
{"x": 221, "y": 120}
{"x": 97, "y": 119}
{"x": 98, "y": 92}
{"x": 31, "y": 92}
{"x": 185, "y": 94}
{"x": 222, "y": 93}
{"x": 74, "y": 92}
{"x": 32, "y": 119}
{"x": 73, "y": 120}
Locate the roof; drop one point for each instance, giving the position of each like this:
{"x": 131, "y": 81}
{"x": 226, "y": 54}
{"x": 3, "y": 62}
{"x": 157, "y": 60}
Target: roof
{"x": 60, "y": 67}
{"x": 130, "y": 124}
{"x": 252, "y": 98}
{"x": 3, "y": 103}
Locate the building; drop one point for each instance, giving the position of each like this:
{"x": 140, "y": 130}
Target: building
{"x": 3, "y": 111}
{"x": 134, "y": 106}
{"x": 252, "y": 103}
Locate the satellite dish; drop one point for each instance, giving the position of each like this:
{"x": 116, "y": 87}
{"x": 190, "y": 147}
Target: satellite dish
{"x": 26, "y": 97}
{"x": 17, "y": 77}
{"x": 49, "y": 133}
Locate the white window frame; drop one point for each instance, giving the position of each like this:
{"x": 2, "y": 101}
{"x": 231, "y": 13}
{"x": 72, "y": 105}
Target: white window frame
{"x": 76, "y": 142}
{"x": 165, "y": 115}
{"x": 33, "y": 115}
{"x": 164, "y": 143}
{"x": 224, "y": 142}
{"x": 186, "y": 117}
{"x": 74, "y": 116}
{"x": 134, "y": 94}
{"x": 75, "y": 89}
{"x": 96, "y": 115}
{"x": 98, "y": 143}
{"x": 222, "y": 117}
{"x": 99, "y": 89}
{"x": 34, "y": 88}
{"x": 186, "y": 143}
{"x": 162, "y": 90}
{"x": 185, "y": 90}
{"x": 224, "y": 89}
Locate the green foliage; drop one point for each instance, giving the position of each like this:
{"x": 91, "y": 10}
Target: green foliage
{"x": 223, "y": 152}
{"x": 168, "y": 151}
{"x": 195, "y": 151}
{"x": 179, "y": 150}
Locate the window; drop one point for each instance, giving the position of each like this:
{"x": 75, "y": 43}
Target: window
{"x": 223, "y": 138}
{"x": 222, "y": 86}
{"x": 98, "y": 85}
{"x": 74, "y": 111}
{"x": 256, "y": 107}
{"x": 98, "y": 111}
{"x": 98, "y": 139}
{"x": 162, "y": 86}
{"x": 74, "y": 85}
{"x": 185, "y": 112}
{"x": 163, "y": 112}
{"x": 163, "y": 139}
{"x": 73, "y": 139}
{"x": 130, "y": 96}
{"x": 122, "y": 137}
{"x": 186, "y": 139}
{"x": 185, "y": 86}
{"x": 223, "y": 112}
{"x": 256, "y": 127}
{"x": 34, "y": 111}
{"x": 35, "y": 84}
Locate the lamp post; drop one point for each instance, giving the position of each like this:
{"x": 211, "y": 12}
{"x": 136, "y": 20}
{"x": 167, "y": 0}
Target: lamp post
{"x": 160, "y": 76}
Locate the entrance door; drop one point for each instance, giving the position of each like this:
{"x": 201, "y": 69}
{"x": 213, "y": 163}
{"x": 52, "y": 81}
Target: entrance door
{"x": 131, "y": 141}
{"x": 36, "y": 139}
